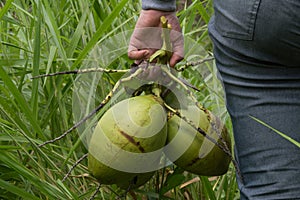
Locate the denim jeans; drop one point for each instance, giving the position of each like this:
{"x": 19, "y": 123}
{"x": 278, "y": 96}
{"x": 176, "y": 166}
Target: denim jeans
{"x": 257, "y": 51}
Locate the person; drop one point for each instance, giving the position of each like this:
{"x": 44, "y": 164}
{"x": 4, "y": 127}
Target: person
{"x": 257, "y": 51}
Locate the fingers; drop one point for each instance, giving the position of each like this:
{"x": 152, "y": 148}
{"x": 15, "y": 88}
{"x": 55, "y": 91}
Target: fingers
{"x": 177, "y": 47}
{"x": 175, "y": 59}
{"x": 146, "y": 38}
{"x": 138, "y": 54}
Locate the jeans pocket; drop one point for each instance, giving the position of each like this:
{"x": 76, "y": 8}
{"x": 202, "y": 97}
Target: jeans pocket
{"x": 236, "y": 18}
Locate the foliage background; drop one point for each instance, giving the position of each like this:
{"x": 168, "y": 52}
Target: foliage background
{"x": 43, "y": 36}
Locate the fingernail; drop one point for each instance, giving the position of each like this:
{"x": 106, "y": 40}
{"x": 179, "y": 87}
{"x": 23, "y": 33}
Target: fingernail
{"x": 146, "y": 53}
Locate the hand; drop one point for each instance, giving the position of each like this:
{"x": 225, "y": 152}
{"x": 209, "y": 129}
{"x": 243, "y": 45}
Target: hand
{"x": 146, "y": 38}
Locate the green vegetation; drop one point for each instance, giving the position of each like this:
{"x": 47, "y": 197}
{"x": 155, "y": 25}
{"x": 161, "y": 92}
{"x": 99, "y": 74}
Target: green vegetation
{"x": 43, "y": 36}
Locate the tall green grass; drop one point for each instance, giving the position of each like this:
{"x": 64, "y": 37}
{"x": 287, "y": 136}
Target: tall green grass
{"x": 43, "y": 36}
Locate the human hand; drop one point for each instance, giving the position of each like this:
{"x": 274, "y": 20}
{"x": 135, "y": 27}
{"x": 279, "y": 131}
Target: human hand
{"x": 146, "y": 38}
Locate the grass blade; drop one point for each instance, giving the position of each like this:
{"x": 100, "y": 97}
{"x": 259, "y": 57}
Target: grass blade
{"x": 5, "y": 8}
{"x": 50, "y": 190}
{"x": 54, "y": 30}
{"x": 208, "y": 188}
{"x": 78, "y": 32}
{"x": 100, "y": 31}
{"x": 36, "y": 61}
{"x": 19, "y": 98}
{"x": 16, "y": 190}
{"x": 278, "y": 132}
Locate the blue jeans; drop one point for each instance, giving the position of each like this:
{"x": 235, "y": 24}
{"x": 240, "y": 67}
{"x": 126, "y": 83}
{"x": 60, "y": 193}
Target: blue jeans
{"x": 257, "y": 51}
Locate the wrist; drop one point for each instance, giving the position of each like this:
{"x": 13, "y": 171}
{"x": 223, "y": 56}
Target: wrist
{"x": 162, "y": 5}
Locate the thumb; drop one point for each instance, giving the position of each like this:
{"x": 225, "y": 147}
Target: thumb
{"x": 175, "y": 59}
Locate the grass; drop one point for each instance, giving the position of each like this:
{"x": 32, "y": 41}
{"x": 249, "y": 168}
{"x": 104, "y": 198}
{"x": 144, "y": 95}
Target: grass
{"x": 38, "y": 37}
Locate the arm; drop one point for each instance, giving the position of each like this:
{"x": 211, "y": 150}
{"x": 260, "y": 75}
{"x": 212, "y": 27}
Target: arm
{"x": 163, "y": 5}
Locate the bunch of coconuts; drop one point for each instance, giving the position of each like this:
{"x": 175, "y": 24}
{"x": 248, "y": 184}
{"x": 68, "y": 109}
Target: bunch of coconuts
{"x": 131, "y": 137}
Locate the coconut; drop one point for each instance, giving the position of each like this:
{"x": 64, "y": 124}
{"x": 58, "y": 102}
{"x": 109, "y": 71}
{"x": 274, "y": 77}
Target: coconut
{"x": 202, "y": 156}
{"x": 126, "y": 146}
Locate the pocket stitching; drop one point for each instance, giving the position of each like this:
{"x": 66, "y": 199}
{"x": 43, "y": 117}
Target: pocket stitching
{"x": 248, "y": 33}
{"x": 252, "y": 20}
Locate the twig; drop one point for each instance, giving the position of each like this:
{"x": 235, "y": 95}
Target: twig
{"x": 101, "y": 105}
{"x": 192, "y": 64}
{"x": 75, "y": 125}
{"x": 189, "y": 84}
{"x": 73, "y": 167}
{"x": 177, "y": 80}
{"x": 82, "y": 71}
{"x": 96, "y": 192}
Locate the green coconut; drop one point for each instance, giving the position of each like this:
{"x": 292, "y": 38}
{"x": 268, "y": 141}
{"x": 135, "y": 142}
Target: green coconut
{"x": 193, "y": 152}
{"x": 126, "y": 146}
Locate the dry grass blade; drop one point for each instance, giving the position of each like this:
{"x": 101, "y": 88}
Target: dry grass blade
{"x": 194, "y": 180}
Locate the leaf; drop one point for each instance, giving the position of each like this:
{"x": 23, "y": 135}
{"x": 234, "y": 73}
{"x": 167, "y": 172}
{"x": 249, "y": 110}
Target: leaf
{"x": 209, "y": 192}
{"x": 172, "y": 181}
